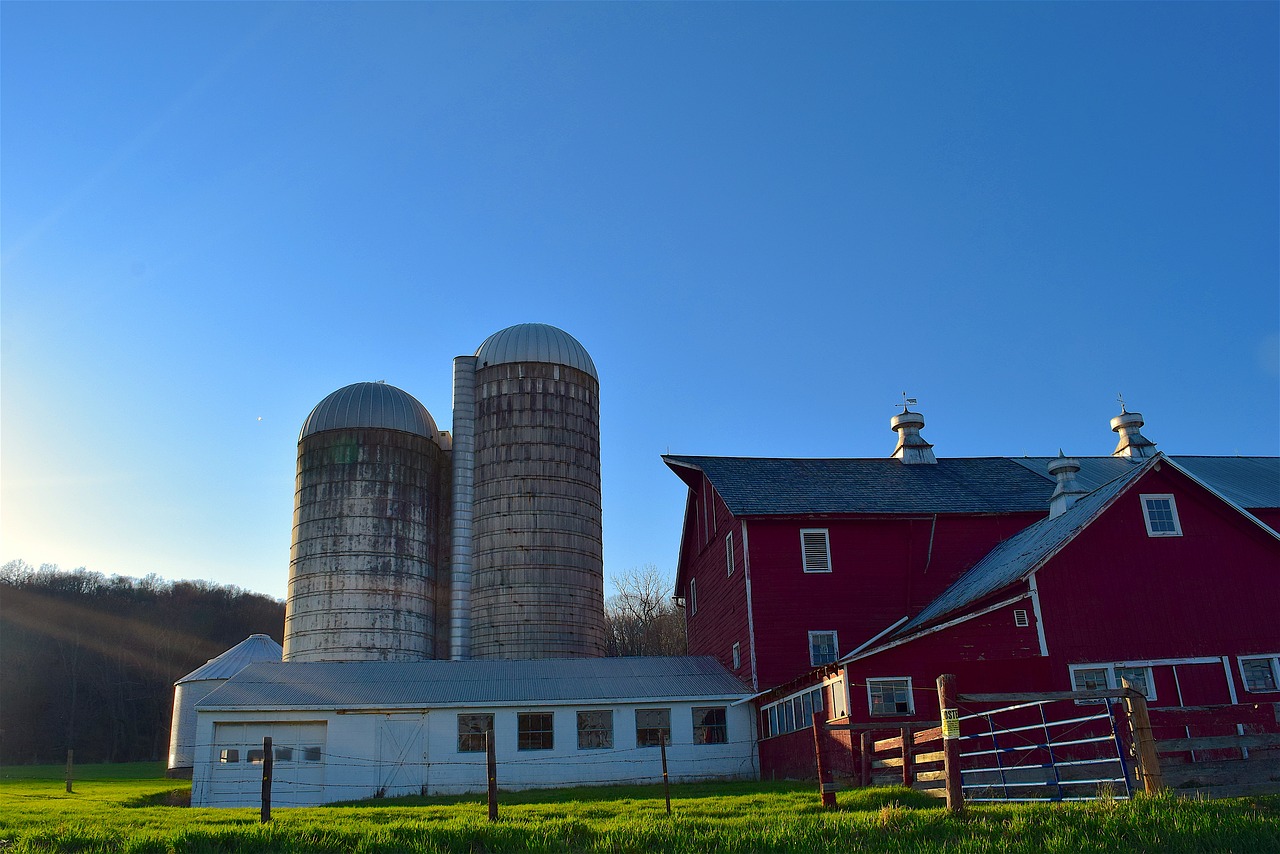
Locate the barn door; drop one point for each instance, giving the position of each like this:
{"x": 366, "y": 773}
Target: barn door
{"x": 402, "y": 759}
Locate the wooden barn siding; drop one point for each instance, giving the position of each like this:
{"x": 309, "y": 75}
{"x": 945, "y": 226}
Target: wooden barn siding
{"x": 1115, "y": 593}
{"x": 881, "y": 571}
{"x": 721, "y": 619}
{"x": 790, "y": 756}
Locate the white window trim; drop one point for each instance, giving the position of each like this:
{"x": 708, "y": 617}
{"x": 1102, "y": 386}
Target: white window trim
{"x": 1275, "y": 671}
{"x": 1020, "y": 619}
{"x": 693, "y": 596}
{"x": 835, "y": 642}
{"x": 826, "y": 543}
{"x": 1173, "y": 509}
{"x": 776, "y": 711}
{"x": 1113, "y": 681}
{"x": 737, "y": 655}
{"x": 728, "y": 553}
{"x": 911, "y": 699}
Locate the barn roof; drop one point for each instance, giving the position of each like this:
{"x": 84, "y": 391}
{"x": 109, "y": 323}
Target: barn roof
{"x": 754, "y": 486}
{"x": 399, "y": 684}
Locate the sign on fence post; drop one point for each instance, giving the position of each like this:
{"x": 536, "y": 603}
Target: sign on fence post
{"x": 1135, "y": 708}
{"x": 950, "y": 741}
{"x": 826, "y": 788}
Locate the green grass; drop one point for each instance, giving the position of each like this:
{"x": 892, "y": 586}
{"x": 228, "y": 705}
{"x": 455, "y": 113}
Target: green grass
{"x": 122, "y": 808}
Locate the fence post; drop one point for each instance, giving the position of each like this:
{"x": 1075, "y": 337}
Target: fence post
{"x": 266, "y": 779}
{"x": 70, "y": 754}
{"x": 666, "y": 781}
{"x": 950, "y": 741}
{"x": 826, "y": 788}
{"x": 1135, "y": 708}
{"x": 865, "y": 748}
{"x": 491, "y": 768}
{"x": 908, "y": 772}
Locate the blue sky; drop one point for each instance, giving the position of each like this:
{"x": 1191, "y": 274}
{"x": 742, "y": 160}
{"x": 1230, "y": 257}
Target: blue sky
{"x": 764, "y": 221}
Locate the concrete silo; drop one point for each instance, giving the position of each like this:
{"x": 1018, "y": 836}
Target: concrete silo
{"x": 365, "y": 568}
{"x": 530, "y": 459}
{"x": 200, "y": 683}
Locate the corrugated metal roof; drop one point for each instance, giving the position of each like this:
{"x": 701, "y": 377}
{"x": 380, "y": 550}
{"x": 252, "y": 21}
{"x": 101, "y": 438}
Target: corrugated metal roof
{"x": 398, "y": 684}
{"x": 534, "y": 342}
{"x": 370, "y": 405}
{"x": 252, "y": 649}
{"x": 753, "y": 486}
{"x": 1020, "y": 554}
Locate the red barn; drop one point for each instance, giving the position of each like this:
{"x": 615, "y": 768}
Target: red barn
{"x": 872, "y": 576}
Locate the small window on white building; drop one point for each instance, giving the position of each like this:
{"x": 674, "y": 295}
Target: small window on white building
{"x": 653, "y": 726}
{"x": 471, "y": 732}
{"x": 693, "y": 596}
{"x": 823, "y": 648}
{"x": 728, "y": 553}
{"x": 737, "y": 655}
{"x": 229, "y": 756}
{"x": 254, "y": 757}
{"x": 815, "y": 549}
{"x": 284, "y": 754}
{"x": 1261, "y": 674}
{"x": 311, "y": 754}
{"x": 891, "y": 696}
{"x": 1161, "y": 515}
{"x": 710, "y": 725}
{"x": 534, "y": 731}
{"x": 595, "y": 729}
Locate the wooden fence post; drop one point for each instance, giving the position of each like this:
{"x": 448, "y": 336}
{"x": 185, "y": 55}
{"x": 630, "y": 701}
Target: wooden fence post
{"x": 491, "y": 768}
{"x": 865, "y": 748}
{"x": 666, "y": 781}
{"x": 950, "y": 741}
{"x": 826, "y": 788}
{"x": 70, "y": 755}
{"x": 266, "y": 779}
{"x": 908, "y": 771}
{"x": 1135, "y": 708}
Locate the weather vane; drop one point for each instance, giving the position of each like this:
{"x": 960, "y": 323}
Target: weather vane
{"x": 1120, "y": 397}
{"x": 907, "y": 401}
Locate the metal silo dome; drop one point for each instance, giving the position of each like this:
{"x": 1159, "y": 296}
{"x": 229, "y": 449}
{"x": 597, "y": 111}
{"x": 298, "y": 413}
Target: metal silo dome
{"x": 371, "y": 405}
{"x": 534, "y": 342}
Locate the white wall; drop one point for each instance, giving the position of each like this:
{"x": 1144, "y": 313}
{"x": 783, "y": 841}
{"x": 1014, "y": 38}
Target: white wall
{"x": 412, "y": 753}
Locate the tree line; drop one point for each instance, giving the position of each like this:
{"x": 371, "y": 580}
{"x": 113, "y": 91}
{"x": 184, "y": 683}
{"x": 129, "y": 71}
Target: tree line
{"x": 88, "y": 662}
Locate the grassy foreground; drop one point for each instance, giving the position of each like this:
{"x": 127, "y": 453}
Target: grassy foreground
{"x": 125, "y": 808}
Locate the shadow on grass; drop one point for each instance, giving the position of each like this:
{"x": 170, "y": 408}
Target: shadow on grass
{"x": 171, "y": 798}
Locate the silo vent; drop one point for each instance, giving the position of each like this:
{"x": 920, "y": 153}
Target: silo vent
{"x": 912, "y": 448}
{"x": 1132, "y": 443}
{"x": 1064, "y": 468}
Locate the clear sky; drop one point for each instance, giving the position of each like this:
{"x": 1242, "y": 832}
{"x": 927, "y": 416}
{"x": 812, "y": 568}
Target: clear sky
{"x": 763, "y": 221}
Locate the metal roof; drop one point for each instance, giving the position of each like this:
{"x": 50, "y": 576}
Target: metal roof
{"x": 370, "y": 405}
{"x": 252, "y": 649}
{"x": 753, "y": 486}
{"x": 399, "y": 684}
{"x": 1250, "y": 482}
{"x": 534, "y": 342}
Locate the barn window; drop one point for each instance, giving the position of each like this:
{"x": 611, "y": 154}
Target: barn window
{"x": 1161, "y": 515}
{"x": 254, "y": 757}
{"x": 595, "y": 729}
{"x": 1102, "y": 677}
{"x": 823, "y": 648}
{"x": 471, "y": 732}
{"x": 229, "y": 755}
{"x": 737, "y": 655}
{"x": 815, "y": 549}
{"x": 693, "y": 596}
{"x": 284, "y": 754}
{"x": 1261, "y": 674}
{"x": 890, "y": 696}
{"x": 311, "y": 754}
{"x": 728, "y": 553}
{"x": 653, "y": 726}
{"x": 533, "y": 731}
{"x": 1139, "y": 677}
{"x": 710, "y": 725}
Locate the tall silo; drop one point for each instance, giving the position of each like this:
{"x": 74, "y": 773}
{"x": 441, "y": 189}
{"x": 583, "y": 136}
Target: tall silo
{"x": 537, "y": 570}
{"x": 200, "y": 683}
{"x": 372, "y": 493}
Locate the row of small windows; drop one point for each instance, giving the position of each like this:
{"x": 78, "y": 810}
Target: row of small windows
{"x": 256, "y": 756}
{"x": 1261, "y": 675}
{"x": 535, "y": 730}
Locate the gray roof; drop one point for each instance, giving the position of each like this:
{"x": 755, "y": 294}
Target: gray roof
{"x": 534, "y": 342}
{"x": 1019, "y": 555}
{"x": 251, "y": 649}
{"x": 1250, "y": 482}
{"x": 400, "y": 684}
{"x": 370, "y": 405}
{"x": 753, "y": 486}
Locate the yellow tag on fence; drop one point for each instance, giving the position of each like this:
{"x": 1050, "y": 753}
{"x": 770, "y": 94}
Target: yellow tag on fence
{"x": 950, "y": 723}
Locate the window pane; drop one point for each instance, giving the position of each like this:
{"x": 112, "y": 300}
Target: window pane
{"x": 1259, "y": 674}
{"x": 255, "y": 757}
{"x": 1091, "y": 679}
{"x": 1137, "y": 677}
{"x": 890, "y": 696}
{"x": 710, "y": 726}
{"x": 822, "y": 648}
{"x": 311, "y": 754}
{"x": 653, "y": 726}
{"x": 533, "y": 731}
{"x": 284, "y": 754}
{"x": 229, "y": 756}
{"x": 471, "y": 730}
{"x": 807, "y": 708}
{"x": 595, "y": 730}
{"x": 774, "y": 726}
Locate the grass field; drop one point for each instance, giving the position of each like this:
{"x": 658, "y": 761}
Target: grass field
{"x": 126, "y": 808}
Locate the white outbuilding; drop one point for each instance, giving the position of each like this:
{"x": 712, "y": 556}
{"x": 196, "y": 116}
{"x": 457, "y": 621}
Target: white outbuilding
{"x": 355, "y": 730}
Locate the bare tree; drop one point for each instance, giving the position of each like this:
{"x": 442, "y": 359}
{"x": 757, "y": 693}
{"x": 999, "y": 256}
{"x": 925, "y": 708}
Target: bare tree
{"x": 640, "y": 618}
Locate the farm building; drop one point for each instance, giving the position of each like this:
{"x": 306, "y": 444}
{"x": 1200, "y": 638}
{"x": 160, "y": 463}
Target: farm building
{"x": 347, "y": 731}
{"x": 848, "y": 586}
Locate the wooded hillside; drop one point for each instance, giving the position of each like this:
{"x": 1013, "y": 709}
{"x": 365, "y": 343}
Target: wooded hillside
{"x": 88, "y": 662}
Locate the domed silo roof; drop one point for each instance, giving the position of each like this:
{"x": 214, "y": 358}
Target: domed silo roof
{"x": 534, "y": 342}
{"x": 251, "y": 649}
{"x": 370, "y": 405}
